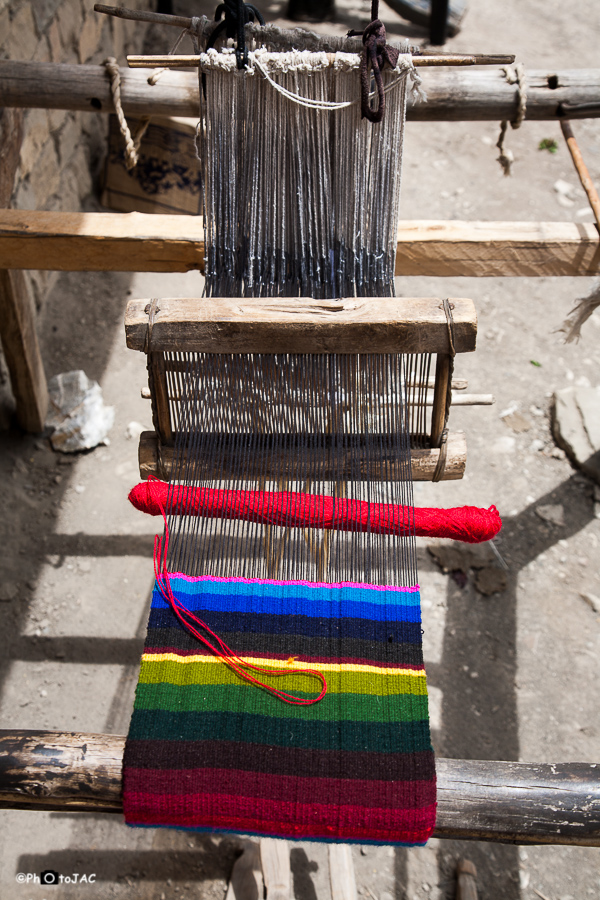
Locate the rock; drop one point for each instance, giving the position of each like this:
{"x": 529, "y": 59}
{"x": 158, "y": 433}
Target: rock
{"x": 554, "y": 513}
{"x": 592, "y": 601}
{"x": 576, "y": 427}
{"x": 77, "y": 413}
{"x": 490, "y": 580}
{"x": 8, "y": 591}
{"x": 461, "y": 557}
{"x": 504, "y": 445}
{"x": 517, "y": 422}
{"x": 133, "y": 430}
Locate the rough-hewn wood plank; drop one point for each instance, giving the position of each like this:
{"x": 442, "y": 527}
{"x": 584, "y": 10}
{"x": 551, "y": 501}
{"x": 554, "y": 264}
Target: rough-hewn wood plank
{"x": 17, "y": 312}
{"x": 341, "y": 872}
{"x": 527, "y": 803}
{"x": 138, "y": 242}
{"x": 158, "y": 459}
{"x": 490, "y": 249}
{"x": 100, "y": 242}
{"x": 21, "y": 350}
{"x": 452, "y": 95}
{"x": 301, "y": 325}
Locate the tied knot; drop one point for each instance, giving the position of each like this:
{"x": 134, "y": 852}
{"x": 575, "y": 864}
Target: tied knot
{"x": 376, "y": 54}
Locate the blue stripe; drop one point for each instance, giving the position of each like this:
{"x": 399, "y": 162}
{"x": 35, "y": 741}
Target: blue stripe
{"x": 291, "y": 606}
{"x": 277, "y": 592}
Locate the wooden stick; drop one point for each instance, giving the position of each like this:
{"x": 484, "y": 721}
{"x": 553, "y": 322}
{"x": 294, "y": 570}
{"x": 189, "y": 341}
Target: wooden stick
{"x": 142, "y": 15}
{"x": 526, "y": 803}
{"x": 582, "y": 170}
{"x": 341, "y": 872}
{"x": 466, "y": 880}
{"x": 156, "y": 458}
{"x": 457, "y": 94}
{"x": 192, "y": 61}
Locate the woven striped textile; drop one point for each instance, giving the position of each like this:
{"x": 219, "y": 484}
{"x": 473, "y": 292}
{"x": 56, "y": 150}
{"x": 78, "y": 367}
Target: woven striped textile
{"x": 207, "y": 750}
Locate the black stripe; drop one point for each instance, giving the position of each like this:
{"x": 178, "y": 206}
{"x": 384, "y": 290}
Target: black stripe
{"x": 268, "y": 623}
{"x": 291, "y": 645}
{"x": 303, "y": 762}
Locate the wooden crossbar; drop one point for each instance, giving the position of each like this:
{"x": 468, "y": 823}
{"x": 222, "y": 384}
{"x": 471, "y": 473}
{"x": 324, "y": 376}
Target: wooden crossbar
{"x": 139, "y": 242}
{"x": 300, "y": 325}
{"x": 525, "y": 803}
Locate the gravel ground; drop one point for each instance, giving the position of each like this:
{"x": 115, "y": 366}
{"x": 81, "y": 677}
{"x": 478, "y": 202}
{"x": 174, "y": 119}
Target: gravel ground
{"x": 514, "y": 675}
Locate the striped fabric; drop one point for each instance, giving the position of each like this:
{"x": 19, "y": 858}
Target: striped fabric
{"x": 207, "y": 750}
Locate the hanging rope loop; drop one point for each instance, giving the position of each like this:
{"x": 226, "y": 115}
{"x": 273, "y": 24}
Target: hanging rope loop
{"x": 237, "y": 15}
{"x": 376, "y": 54}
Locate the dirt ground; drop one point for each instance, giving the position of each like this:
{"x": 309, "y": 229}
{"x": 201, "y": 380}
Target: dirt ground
{"x": 514, "y": 676}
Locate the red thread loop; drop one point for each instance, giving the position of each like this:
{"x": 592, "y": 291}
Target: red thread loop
{"x": 221, "y": 650}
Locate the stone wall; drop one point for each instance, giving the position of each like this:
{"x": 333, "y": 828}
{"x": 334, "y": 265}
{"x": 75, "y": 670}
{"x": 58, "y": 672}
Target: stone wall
{"x": 62, "y": 152}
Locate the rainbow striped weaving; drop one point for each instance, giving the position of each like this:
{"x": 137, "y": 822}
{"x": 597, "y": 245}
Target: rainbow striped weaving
{"x": 208, "y": 750}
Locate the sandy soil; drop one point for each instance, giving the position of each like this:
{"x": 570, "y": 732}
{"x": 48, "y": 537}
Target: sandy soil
{"x": 514, "y": 675}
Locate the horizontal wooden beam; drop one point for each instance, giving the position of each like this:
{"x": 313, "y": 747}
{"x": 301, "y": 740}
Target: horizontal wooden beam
{"x": 525, "y": 803}
{"x": 139, "y": 242}
{"x": 158, "y": 459}
{"x": 452, "y": 95}
{"x": 300, "y": 325}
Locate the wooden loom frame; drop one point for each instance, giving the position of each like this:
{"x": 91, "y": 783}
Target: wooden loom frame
{"x": 500, "y": 801}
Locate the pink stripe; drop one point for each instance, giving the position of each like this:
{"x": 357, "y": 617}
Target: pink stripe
{"x": 287, "y": 788}
{"x": 310, "y": 584}
{"x": 225, "y": 811}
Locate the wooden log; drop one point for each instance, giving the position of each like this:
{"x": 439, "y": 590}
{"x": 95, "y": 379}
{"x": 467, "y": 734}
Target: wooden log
{"x": 301, "y": 325}
{"x": 156, "y": 458}
{"x": 452, "y": 95}
{"x": 138, "y": 242}
{"x": 526, "y": 803}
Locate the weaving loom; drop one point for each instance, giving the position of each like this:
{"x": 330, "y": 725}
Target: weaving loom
{"x": 282, "y": 689}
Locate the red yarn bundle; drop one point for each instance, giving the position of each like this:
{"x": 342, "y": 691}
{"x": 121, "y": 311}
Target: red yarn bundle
{"x": 298, "y": 510}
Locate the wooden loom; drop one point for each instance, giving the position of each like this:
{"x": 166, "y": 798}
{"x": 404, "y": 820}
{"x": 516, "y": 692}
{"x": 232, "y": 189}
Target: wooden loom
{"x": 93, "y": 777}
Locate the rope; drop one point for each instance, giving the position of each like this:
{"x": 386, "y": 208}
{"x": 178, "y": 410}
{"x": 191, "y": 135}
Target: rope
{"x": 514, "y": 75}
{"x": 132, "y": 143}
{"x": 376, "y": 54}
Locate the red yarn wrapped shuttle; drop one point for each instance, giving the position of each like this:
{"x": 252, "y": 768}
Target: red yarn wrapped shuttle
{"x": 298, "y": 510}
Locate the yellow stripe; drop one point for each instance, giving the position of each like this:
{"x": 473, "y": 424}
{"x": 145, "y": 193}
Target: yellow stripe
{"x": 280, "y": 663}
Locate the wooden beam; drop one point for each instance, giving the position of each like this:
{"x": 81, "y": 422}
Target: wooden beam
{"x": 300, "y": 325}
{"x": 100, "y": 242}
{"x": 139, "y": 242}
{"x": 157, "y": 459}
{"x": 17, "y": 310}
{"x": 452, "y": 94}
{"x": 526, "y": 803}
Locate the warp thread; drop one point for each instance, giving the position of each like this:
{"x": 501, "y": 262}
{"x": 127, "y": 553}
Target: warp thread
{"x": 300, "y": 510}
{"x": 514, "y": 75}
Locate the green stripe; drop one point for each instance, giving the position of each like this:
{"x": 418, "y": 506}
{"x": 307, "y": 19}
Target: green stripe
{"x": 235, "y": 698}
{"x": 244, "y": 728}
{"x": 167, "y": 671}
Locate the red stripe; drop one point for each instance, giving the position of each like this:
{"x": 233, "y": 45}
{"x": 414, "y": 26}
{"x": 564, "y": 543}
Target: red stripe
{"x": 341, "y": 660}
{"x": 279, "y": 817}
{"x": 287, "y": 788}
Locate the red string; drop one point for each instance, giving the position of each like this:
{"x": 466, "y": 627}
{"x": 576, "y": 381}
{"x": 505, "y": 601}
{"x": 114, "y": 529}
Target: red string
{"x": 298, "y": 510}
{"x": 222, "y": 650}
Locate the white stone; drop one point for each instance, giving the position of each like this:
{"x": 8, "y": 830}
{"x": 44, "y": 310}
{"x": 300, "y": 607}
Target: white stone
{"x": 577, "y": 427}
{"x": 77, "y": 413}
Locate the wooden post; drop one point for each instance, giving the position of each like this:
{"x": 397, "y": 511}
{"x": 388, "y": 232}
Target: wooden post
{"x": 161, "y": 416}
{"x": 341, "y": 872}
{"x": 17, "y": 309}
{"x": 277, "y": 874}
